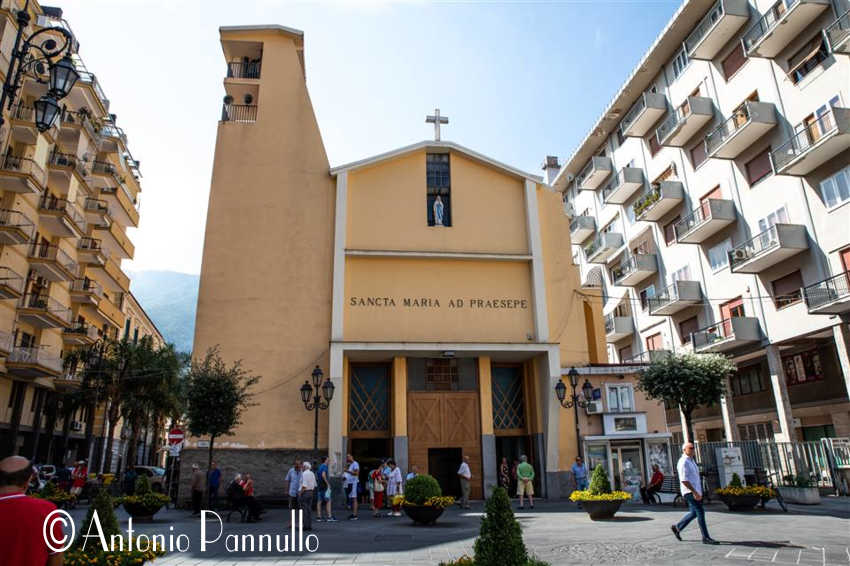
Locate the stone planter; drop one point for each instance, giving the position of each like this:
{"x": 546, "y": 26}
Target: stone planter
{"x": 601, "y": 509}
{"x": 140, "y": 512}
{"x": 800, "y": 495}
{"x": 423, "y": 514}
{"x": 740, "y": 502}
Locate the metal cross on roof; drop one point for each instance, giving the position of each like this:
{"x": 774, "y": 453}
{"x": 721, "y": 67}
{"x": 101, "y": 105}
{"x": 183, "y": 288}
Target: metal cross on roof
{"x": 436, "y": 119}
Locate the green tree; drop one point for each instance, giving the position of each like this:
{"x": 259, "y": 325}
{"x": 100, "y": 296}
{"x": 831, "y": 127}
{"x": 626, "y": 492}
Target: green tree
{"x": 216, "y": 396}
{"x": 599, "y": 483}
{"x": 687, "y": 380}
{"x": 499, "y": 542}
{"x": 105, "y": 514}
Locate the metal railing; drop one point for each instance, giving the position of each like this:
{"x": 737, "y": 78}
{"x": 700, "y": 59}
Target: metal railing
{"x": 753, "y": 247}
{"x": 24, "y": 165}
{"x": 96, "y": 205}
{"x": 244, "y": 69}
{"x": 22, "y": 112}
{"x": 740, "y": 117}
{"x": 767, "y": 22}
{"x": 239, "y": 113}
{"x": 581, "y": 222}
{"x": 609, "y": 324}
{"x": 82, "y": 329}
{"x": 827, "y": 291}
{"x": 55, "y": 204}
{"x": 17, "y": 219}
{"x": 87, "y": 286}
{"x": 52, "y": 252}
{"x": 638, "y": 107}
{"x": 838, "y": 31}
{"x": 595, "y": 245}
{"x": 644, "y": 203}
{"x": 671, "y": 122}
{"x": 614, "y": 184}
{"x": 704, "y": 26}
{"x": 668, "y": 295}
{"x": 84, "y": 119}
{"x": 627, "y": 267}
{"x": 36, "y": 355}
{"x": 113, "y": 131}
{"x": 104, "y": 168}
{"x": 88, "y": 78}
{"x": 6, "y": 341}
{"x": 47, "y": 304}
{"x": 60, "y": 159}
{"x": 714, "y": 333}
{"x": 802, "y": 141}
{"x": 11, "y": 279}
{"x": 697, "y": 217}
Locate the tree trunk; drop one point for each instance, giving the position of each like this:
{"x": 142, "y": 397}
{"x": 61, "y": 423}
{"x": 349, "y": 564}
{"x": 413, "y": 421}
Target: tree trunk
{"x": 689, "y": 424}
{"x": 132, "y": 448}
{"x": 66, "y": 432}
{"x": 41, "y": 394}
{"x": 112, "y": 413}
{"x": 209, "y": 461}
{"x": 92, "y": 409}
{"x": 50, "y": 427}
{"x": 15, "y": 424}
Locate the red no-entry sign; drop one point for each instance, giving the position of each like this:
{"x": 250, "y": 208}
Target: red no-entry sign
{"x": 175, "y": 436}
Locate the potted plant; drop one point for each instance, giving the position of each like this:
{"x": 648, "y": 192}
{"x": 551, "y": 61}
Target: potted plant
{"x": 739, "y": 497}
{"x": 61, "y": 499}
{"x": 144, "y": 503}
{"x": 423, "y": 500}
{"x": 598, "y": 499}
{"x": 801, "y": 490}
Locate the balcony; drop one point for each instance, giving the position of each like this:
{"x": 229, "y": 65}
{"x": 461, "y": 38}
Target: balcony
{"x": 72, "y": 122}
{"x": 115, "y": 279}
{"x": 240, "y": 113}
{"x": 243, "y": 69}
{"x": 21, "y": 175}
{"x": 15, "y": 227}
{"x": 90, "y": 252}
{"x": 6, "y": 342}
{"x": 69, "y": 379}
{"x": 838, "y": 34}
{"x": 61, "y": 217}
{"x": 776, "y": 244}
{"x": 635, "y": 269}
{"x": 123, "y": 207}
{"x": 647, "y": 357}
{"x": 43, "y": 311}
{"x": 747, "y": 124}
{"x": 110, "y": 312}
{"x": 685, "y": 121}
{"x": 22, "y": 121}
{"x": 780, "y": 25}
{"x": 581, "y": 227}
{"x": 718, "y": 26}
{"x": 80, "y": 333}
{"x": 726, "y": 335}
{"x": 643, "y": 114}
{"x": 49, "y": 261}
{"x": 814, "y": 144}
{"x": 11, "y": 284}
{"x": 623, "y": 185}
{"x": 675, "y": 297}
{"x": 113, "y": 139}
{"x": 661, "y": 199}
{"x": 602, "y": 247}
{"x": 97, "y": 212}
{"x": 62, "y": 166}
{"x": 106, "y": 170}
{"x": 618, "y": 327}
{"x": 31, "y": 362}
{"x": 830, "y": 296}
{"x": 87, "y": 91}
{"x": 596, "y": 171}
{"x": 706, "y": 220}
{"x": 115, "y": 240}
{"x": 86, "y": 291}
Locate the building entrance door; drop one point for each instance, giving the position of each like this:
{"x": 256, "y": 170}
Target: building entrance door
{"x": 627, "y": 468}
{"x": 443, "y": 464}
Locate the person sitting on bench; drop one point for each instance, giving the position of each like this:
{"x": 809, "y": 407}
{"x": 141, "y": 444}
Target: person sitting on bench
{"x": 648, "y": 493}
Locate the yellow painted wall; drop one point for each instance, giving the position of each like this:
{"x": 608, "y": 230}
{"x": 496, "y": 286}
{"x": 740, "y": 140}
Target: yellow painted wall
{"x": 441, "y": 280}
{"x": 487, "y": 208}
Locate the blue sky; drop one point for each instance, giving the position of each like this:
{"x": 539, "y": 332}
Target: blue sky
{"x": 518, "y": 80}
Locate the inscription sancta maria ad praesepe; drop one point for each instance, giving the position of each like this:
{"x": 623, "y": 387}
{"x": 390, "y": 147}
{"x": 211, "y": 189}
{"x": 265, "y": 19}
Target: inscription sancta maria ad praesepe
{"x": 433, "y": 302}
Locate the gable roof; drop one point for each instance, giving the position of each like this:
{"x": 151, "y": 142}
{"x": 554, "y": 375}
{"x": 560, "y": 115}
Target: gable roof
{"x": 440, "y": 146}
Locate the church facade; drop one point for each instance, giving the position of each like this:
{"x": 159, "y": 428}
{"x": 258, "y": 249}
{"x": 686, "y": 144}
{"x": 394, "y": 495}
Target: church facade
{"x": 432, "y": 284}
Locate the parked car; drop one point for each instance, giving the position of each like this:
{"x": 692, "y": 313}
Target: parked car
{"x": 155, "y": 474}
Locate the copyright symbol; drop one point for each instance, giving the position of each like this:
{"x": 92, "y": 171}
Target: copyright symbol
{"x": 64, "y": 519}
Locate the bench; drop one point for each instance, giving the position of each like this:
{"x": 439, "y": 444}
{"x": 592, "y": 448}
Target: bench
{"x": 670, "y": 486}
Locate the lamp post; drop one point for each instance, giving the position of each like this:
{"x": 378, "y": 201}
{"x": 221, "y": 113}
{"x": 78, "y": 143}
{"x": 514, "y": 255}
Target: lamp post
{"x": 317, "y": 397}
{"x": 575, "y": 401}
{"x": 45, "y": 61}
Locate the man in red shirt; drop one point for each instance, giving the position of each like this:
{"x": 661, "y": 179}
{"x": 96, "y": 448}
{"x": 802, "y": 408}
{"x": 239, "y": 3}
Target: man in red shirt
{"x": 655, "y": 483}
{"x": 22, "y": 519}
{"x": 80, "y": 475}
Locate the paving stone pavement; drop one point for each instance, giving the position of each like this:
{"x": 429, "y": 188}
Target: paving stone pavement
{"x": 556, "y": 532}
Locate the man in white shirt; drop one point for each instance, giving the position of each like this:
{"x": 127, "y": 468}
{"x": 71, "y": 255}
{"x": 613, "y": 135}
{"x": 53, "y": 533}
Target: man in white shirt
{"x": 351, "y": 475}
{"x": 305, "y": 496}
{"x": 464, "y": 474}
{"x": 690, "y": 485}
{"x": 394, "y": 486}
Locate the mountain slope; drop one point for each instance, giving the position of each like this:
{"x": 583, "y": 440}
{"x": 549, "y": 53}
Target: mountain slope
{"x": 170, "y": 299}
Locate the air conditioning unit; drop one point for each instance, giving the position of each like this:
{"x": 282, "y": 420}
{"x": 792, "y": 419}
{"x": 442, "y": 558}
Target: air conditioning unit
{"x": 595, "y": 407}
{"x": 739, "y": 254}
{"x": 76, "y": 426}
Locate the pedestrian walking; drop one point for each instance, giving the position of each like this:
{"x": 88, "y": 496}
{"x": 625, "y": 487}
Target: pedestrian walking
{"x": 305, "y": 496}
{"x": 690, "y": 486}
{"x": 293, "y": 483}
{"x": 79, "y": 476}
{"x": 464, "y": 474}
{"x": 505, "y": 474}
{"x": 323, "y": 492}
{"x": 394, "y": 487}
{"x": 197, "y": 490}
{"x": 213, "y": 481}
{"x": 525, "y": 483}
{"x": 350, "y": 480}
{"x": 579, "y": 474}
{"x": 376, "y": 476}
{"x": 24, "y": 520}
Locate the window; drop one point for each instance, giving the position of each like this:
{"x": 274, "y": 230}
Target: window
{"x": 803, "y": 367}
{"x": 687, "y": 327}
{"x": 786, "y": 290}
{"x": 749, "y": 379}
{"x": 807, "y": 58}
{"x": 734, "y": 61}
{"x": 654, "y": 342}
{"x": 759, "y": 167}
{"x": 654, "y": 145}
{"x": 681, "y": 274}
{"x": 646, "y": 294}
{"x": 625, "y": 353}
{"x": 670, "y": 231}
{"x": 718, "y": 255}
{"x": 620, "y": 398}
{"x": 778, "y": 216}
{"x": 756, "y": 431}
{"x": 680, "y": 63}
{"x": 835, "y": 190}
{"x": 698, "y": 154}
{"x": 439, "y": 189}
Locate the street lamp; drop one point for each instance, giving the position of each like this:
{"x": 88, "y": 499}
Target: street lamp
{"x": 574, "y": 401}
{"x": 40, "y": 60}
{"x": 317, "y": 397}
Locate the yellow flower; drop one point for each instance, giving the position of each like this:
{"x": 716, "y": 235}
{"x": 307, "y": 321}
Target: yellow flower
{"x": 585, "y": 495}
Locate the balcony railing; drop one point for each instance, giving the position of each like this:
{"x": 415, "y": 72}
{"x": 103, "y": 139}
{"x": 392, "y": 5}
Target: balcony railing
{"x": 104, "y": 168}
{"x": 87, "y": 286}
{"x": 675, "y": 297}
{"x": 82, "y": 329}
{"x": 60, "y": 159}
{"x": 708, "y": 21}
{"x": 245, "y": 113}
{"x": 602, "y": 246}
{"x": 642, "y": 204}
{"x": 23, "y": 165}
{"x": 243, "y": 69}
{"x": 47, "y": 304}
{"x": 113, "y": 131}
{"x": 16, "y": 219}
{"x": 838, "y": 32}
{"x": 643, "y": 114}
{"x": 714, "y": 30}
{"x": 634, "y": 269}
{"x": 719, "y": 210}
{"x": 779, "y": 25}
{"x": 726, "y": 334}
{"x": 741, "y": 117}
{"x": 54, "y": 204}
{"x": 11, "y": 279}
{"x": 83, "y": 119}
{"x": 88, "y": 78}
{"x": 809, "y": 137}
{"x": 24, "y": 113}
{"x": 826, "y": 295}
{"x": 52, "y": 252}
{"x": 622, "y": 185}
{"x": 96, "y": 205}
{"x": 35, "y": 355}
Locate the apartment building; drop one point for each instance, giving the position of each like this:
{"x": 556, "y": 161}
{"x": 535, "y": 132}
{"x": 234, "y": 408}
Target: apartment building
{"x": 67, "y": 197}
{"x": 711, "y": 203}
